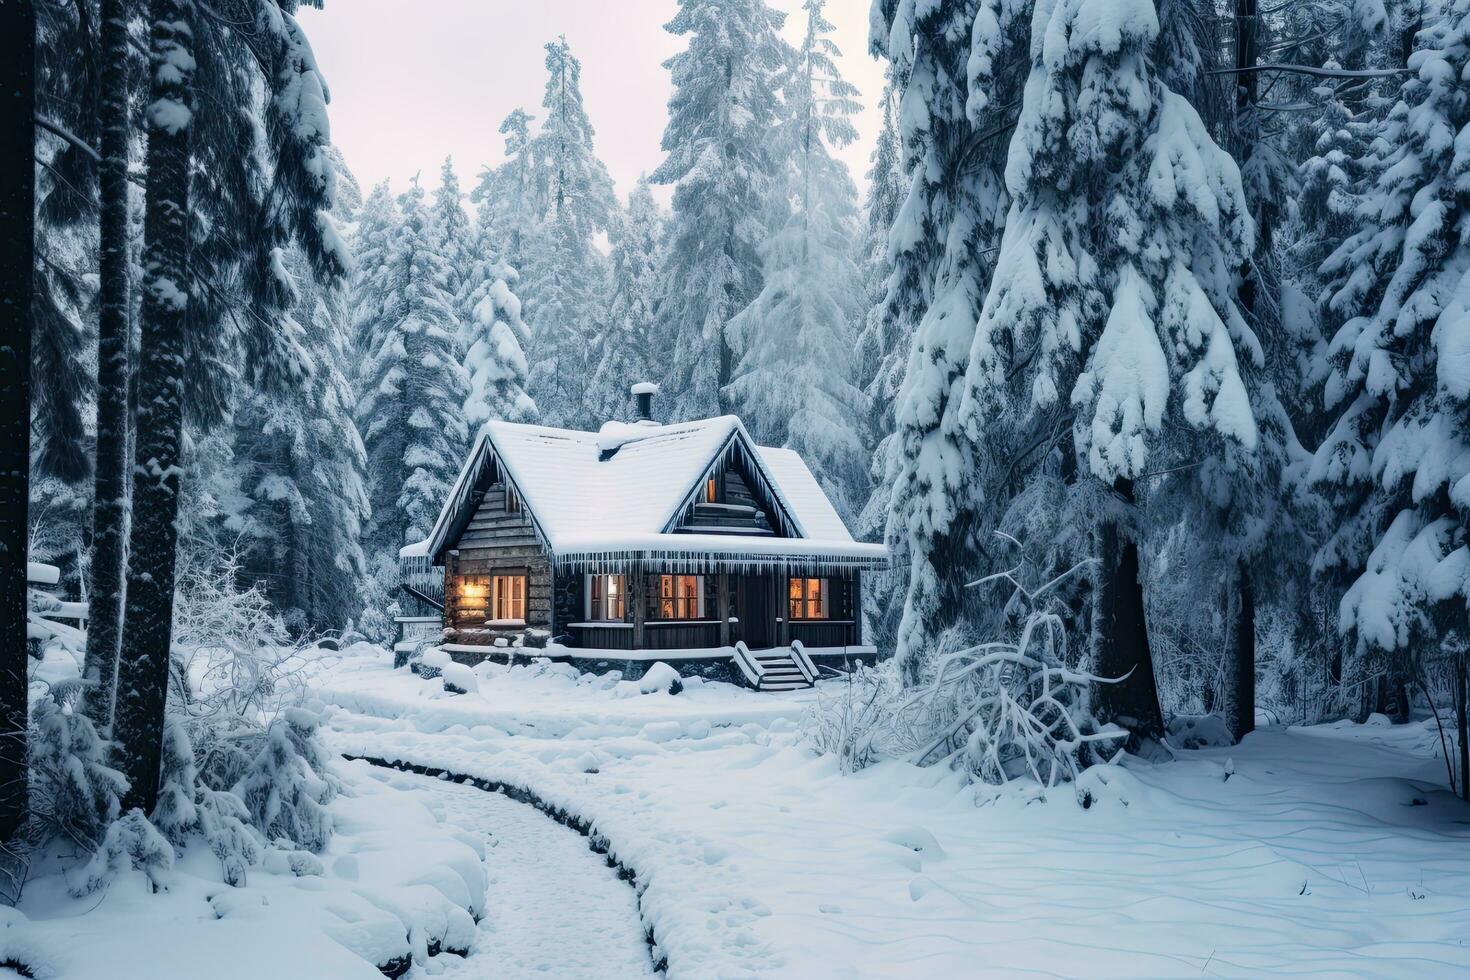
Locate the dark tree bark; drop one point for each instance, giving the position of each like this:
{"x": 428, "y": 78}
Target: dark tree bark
{"x": 1120, "y": 635}
{"x": 1461, "y": 685}
{"x": 148, "y": 617}
{"x": 17, "y": 260}
{"x": 1241, "y": 699}
{"x": 1241, "y": 703}
{"x": 110, "y": 499}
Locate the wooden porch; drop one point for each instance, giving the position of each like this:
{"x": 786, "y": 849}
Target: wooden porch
{"x": 716, "y": 610}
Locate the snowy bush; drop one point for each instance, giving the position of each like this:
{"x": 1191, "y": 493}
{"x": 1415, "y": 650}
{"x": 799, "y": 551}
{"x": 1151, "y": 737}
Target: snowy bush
{"x": 660, "y": 677}
{"x": 430, "y": 663}
{"x": 235, "y": 653}
{"x": 130, "y": 842}
{"x": 459, "y": 679}
{"x": 1003, "y": 710}
{"x": 280, "y": 773}
{"x": 187, "y": 808}
{"x": 243, "y": 763}
{"x": 852, "y": 718}
{"x": 74, "y": 793}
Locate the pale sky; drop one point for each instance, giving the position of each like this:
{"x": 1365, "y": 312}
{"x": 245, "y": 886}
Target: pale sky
{"x": 412, "y": 82}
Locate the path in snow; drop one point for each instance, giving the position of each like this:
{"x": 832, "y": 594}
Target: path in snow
{"x": 553, "y": 909}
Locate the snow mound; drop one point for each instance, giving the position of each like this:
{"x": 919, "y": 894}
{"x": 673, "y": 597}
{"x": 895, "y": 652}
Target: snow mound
{"x": 1198, "y": 732}
{"x": 459, "y": 679}
{"x": 661, "y": 677}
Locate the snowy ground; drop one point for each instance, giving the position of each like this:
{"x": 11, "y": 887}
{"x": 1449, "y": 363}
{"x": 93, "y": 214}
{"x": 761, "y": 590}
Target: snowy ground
{"x": 394, "y": 883}
{"x": 535, "y": 865}
{"x": 1329, "y": 850}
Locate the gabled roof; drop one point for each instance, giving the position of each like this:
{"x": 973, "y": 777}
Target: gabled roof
{"x": 619, "y": 493}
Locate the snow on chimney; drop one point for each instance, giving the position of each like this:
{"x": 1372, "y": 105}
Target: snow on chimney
{"x": 643, "y": 393}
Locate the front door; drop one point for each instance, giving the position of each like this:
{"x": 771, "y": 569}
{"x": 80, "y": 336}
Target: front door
{"x": 755, "y": 608}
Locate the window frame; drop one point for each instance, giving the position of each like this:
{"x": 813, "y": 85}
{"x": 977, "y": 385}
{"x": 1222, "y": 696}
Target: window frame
{"x": 600, "y": 599}
{"x": 691, "y": 605}
{"x": 810, "y": 592}
{"x": 494, "y": 608}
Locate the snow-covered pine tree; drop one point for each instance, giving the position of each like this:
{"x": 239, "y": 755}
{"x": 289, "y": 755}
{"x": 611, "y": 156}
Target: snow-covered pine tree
{"x": 412, "y": 391}
{"x": 299, "y": 456}
{"x": 629, "y": 338}
{"x": 1112, "y": 303}
{"x": 721, "y": 161}
{"x": 504, "y": 193}
{"x": 795, "y": 381}
{"x": 881, "y": 350}
{"x": 1395, "y": 464}
{"x": 493, "y": 337}
{"x": 242, "y": 168}
{"x": 148, "y": 610}
{"x": 576, "y": 200}
{"x": 455, "y": 236}
{"x": 959, "y": 68}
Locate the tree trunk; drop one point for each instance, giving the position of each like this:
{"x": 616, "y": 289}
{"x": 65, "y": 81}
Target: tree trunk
{"x": 1241, "y": 702}
{"x": 148, "y": 618}
{"x": 1462, "y": 721}
{"x": 17, "y": 257}
{"x": 110, "y": 499}
{"x": 1120, "y": 637}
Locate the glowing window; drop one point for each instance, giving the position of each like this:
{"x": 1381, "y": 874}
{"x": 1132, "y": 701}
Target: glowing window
{"x": 680, "y": 596}
{"x": 508, "y": 598}
{"x": 807, "y": 598}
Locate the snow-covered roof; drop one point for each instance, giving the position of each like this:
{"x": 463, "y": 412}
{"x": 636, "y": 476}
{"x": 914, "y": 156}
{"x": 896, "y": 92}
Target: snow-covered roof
{"x": 620, "y": 492}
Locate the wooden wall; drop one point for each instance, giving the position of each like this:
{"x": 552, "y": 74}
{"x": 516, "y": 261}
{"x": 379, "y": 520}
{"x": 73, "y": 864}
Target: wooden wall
{"x": 498, "y": 542}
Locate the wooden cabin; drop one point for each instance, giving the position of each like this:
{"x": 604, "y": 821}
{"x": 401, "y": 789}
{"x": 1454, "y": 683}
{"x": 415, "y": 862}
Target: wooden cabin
{"x": 645, "y": 542}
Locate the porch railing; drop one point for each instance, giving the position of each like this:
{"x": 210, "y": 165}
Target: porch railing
{"x": 419, "y": 578}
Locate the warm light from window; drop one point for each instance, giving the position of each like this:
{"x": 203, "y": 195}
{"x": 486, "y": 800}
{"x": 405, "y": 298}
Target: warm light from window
{"x": 678, "y": 596}
{"x": 710, "y": 492}
{"x": 807, "y": 598}
{"x": 508, "y": 597}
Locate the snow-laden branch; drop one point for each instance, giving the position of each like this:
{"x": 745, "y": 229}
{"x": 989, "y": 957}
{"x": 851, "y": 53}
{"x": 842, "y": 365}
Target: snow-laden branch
{"x": 1315, "y": 72}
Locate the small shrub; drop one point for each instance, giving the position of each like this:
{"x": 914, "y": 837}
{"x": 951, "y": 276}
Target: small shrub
{"x": 130, "y": 842}
{"x": 74, "y": 793}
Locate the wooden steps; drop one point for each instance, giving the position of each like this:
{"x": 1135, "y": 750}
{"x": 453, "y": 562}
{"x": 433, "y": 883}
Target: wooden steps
{"x": 775, "y": 670}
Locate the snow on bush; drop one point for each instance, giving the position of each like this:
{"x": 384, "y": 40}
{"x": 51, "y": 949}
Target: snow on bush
{"x": 1003, "y": 710}
{"x": 851, "y": 717}
{"x": 660, "y": 677}
{"x": 131, "y": 842}
{"x": 74, "y": 793}
{"x": 235, "y": 653}
{"x": 459, "y": 679}
{"x": 430, "y": 663}
{"x": 286, "y": 786}
{"x": 186, "y": 808}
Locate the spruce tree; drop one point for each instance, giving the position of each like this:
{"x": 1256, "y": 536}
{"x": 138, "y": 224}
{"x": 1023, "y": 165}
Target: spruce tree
{"x": 629, "y": 340}
{"x": 413, "y": 387}
{"x": 1395, "y": 464}
{"x": 17, "y": 226}
{"x": 576, "y": 201}
{"x": 794, "y": 384}
{"x": 114, "y": 332}
{"x": 494, "y": 339}
{"x": 1111, "y": 310}
{"x": 721, "y": 161}
{"x": 957, "y": 85}
{"x": 148, "y": 611}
